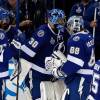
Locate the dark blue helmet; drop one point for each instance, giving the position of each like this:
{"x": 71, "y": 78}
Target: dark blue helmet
{"x": 54, "y": 15}
{"x": 57, "y": 17}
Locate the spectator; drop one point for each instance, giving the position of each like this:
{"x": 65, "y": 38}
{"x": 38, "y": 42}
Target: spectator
{"x": 90, "y": 23}
{"x": 80, "y": 8}
{"x": 24, "y": 18}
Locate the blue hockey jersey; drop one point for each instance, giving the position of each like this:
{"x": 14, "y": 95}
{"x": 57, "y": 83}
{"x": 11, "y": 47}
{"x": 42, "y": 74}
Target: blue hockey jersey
{"x": 95, "y": 85}
{"x": 41, "y": 45}
{"x": 80, "y": 55}
{"x": 79, "y": 65}
{"x": 5, "y": 54}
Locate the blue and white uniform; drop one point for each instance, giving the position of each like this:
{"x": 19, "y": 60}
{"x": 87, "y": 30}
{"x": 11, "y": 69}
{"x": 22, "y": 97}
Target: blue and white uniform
{"x": 79, "y": 65}
{"x": 42, "y": 43}
{"x": 95, "y": 85}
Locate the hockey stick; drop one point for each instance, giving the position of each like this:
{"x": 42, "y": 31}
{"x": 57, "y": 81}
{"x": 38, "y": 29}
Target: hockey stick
{"x": 95, "y": 13}
{"x": 19, "y": 65}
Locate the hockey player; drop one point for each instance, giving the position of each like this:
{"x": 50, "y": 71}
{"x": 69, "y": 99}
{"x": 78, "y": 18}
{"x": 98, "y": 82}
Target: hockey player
{"x": 79, "y": 9}
{"x": 5, "y": 24}
{"x": 44, "y": 40}
{"x": 79, "y": 62}
{"x": 95, "y": 85}
{"x": 7, "y": 33}
{"x": 5, "y": 52}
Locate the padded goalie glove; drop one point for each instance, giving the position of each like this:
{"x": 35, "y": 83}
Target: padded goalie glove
{"x": 55, "y": 61}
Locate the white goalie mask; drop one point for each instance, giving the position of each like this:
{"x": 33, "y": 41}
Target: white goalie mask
{"x": 75, "y": 24}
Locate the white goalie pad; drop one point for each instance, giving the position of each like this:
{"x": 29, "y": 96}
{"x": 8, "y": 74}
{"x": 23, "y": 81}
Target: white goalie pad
{"x": 60, "y": 56}
{"x": 24, "y": 94}
{"x": 52, "y": 90}
{"x": 11, "y": 85}
{"x": 25, "y": 67}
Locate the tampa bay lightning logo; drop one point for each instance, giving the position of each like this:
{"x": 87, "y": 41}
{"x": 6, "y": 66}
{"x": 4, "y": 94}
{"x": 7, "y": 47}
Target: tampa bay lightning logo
{"x": 40, "y": 33}
{"x": 76, "y": 38}
{"x": 2, "y": 36}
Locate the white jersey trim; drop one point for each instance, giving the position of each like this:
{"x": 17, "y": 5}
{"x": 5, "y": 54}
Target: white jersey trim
{"x": 28, "y": 51}
{"x": 75, "y": 60}
{"x": 4, "y": 74}
{"x": 85, "y": 71}
{"x": 40, "y": 69}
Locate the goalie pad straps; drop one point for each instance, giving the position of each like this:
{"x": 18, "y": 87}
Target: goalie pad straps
{"x": 59, "y": 55}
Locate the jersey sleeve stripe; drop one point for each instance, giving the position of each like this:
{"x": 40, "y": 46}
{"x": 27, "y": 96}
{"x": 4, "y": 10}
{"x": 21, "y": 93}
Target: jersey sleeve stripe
{"x": 85, "y": 71}
{"x": 4, "y": 74}
{"x": 75, "y": 60}
{"x": 28, "y": 51}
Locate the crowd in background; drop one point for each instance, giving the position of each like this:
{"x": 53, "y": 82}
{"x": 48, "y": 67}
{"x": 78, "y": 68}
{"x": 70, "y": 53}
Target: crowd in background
{"x": 33, "y": 13}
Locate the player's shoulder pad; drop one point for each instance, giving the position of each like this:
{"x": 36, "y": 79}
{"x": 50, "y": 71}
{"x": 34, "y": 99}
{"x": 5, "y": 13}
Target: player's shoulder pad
{"x": 76, "y": 38}
{"x": 40, "y": 33}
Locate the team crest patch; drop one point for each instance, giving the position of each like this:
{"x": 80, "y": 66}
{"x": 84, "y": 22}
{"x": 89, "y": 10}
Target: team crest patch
{"x": 77, "y": 38}
{"x": 2, "y": 36}
{"x": 40, "y": 33}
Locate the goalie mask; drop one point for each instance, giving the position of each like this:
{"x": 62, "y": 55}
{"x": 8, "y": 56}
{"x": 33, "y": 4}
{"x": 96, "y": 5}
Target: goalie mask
{"x": 57, "y": 18}
{"x": 75, "y": 24}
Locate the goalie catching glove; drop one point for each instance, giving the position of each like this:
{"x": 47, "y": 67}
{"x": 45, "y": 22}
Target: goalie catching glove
{"x": 53, "y": 63}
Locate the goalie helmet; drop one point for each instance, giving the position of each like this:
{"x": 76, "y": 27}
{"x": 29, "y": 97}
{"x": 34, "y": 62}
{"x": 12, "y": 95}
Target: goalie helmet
{"x": 57, "y": 17}
{"x": 75, "y": 24}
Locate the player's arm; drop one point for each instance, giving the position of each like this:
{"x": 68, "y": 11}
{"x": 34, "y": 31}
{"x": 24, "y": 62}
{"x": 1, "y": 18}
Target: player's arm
{"x": 31, "y": 47}
{"x": 73, "y": 62}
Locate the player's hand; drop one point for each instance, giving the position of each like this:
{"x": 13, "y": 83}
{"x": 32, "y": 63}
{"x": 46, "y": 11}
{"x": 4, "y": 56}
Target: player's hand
{"x": 93, "y": 24}
{"x": 58, "y": 74}
{"x": 25, "y": 23}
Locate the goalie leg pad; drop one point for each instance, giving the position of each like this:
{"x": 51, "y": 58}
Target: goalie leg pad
{"x": 26, "y": 66}
{"x": 52, "y": 90}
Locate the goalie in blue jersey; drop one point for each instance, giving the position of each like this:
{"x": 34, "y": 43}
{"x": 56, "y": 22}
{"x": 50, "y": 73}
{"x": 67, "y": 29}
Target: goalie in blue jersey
{"x": 79, "y": 62}
{"x": 43, "y": 42}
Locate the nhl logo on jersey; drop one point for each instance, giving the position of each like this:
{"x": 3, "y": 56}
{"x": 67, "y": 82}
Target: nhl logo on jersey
{"x": 40, "y": 33}
{"x": 77, "y": 38}
{"x": 2, "y": 36}
{"x": 52, "y": 41}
